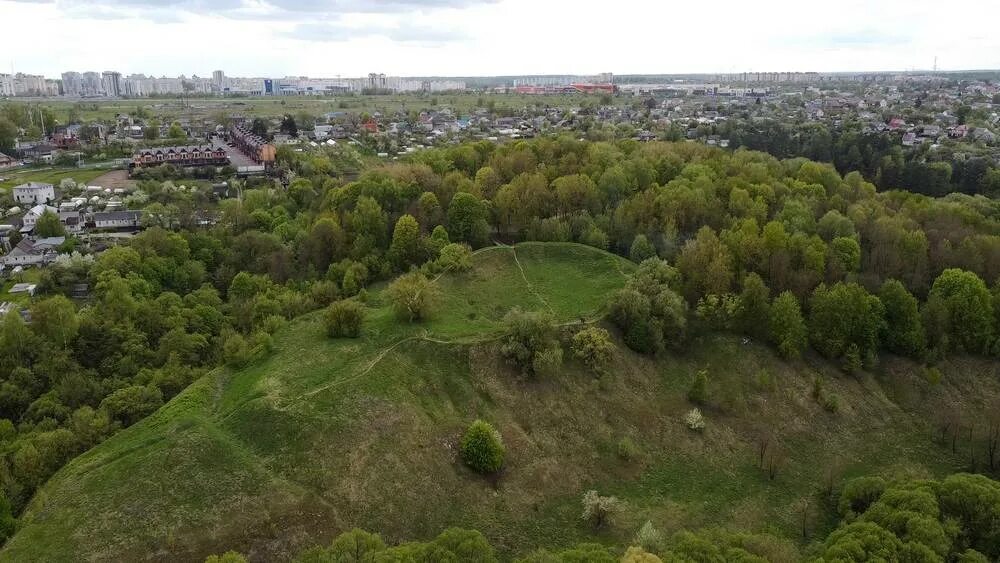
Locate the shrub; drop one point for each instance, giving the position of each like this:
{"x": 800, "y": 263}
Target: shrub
{"x": 455, "y": 257}
{"x": 599, "y": 511}
{"x": 649, "y": 538}
{"x": 858, "y": 494}
{"x": 532, "y": 342}
{"x": 236, "y": 351}
{"x": 344, "y": 318}
{"x": 227, "y": 557}
{"x": 694, "y": 420}
{"x": 593, "y": 347}
{"x": 933, "y": 375}
{"x": 698, "y": 393}
{"x": 482, "y": 448}
{"x": 413, "y": 296}
{"x": 627, "y": 450}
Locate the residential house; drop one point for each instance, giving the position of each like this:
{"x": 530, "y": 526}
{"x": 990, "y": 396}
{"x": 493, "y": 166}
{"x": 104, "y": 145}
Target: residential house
{"x": 34, "y": 193}
{"x": 30, "y": 253}
{"x": 180, "y": 156}
{"x": 6, "y": 161}
{"x": 32, "y": 215}
{"x": 117, "y": 219}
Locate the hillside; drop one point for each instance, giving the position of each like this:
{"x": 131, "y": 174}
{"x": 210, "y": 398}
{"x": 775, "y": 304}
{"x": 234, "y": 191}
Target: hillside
{"x": 326, "y": 434}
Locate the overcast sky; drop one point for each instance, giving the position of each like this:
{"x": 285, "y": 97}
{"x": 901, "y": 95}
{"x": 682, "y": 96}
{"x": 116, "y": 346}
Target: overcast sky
{"x": 327, "y": 38}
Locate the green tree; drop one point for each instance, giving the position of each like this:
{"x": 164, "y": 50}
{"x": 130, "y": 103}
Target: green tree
{"x": 176, "y": 131}
{"x": 8, "y": 524}
{"x": 787, "y": 327}
{"x": 641, "y": 249}
{"x": 904, "y": 332}
{"x": 288, "y": 126}
{"x": 413, "y": 296}
{"x": 55, "y": 320}
{"x": 406, "y": 248}
{"x": 151, "y": 131}
{"x": 8, "y": 136}
{"x": 593, "y": 346}
{"x": 344, "y": 318}
{"x": 129, "y": 405}
{"x": 467, "y": 219}
{"x": 455, "y": 257}
{"x": 482, "y": 448}
{"x": 754, "y": 312}
{"x": 969, "y": 308}
{"x": 844, "y": 315}
{"x": 48, "y": 225}
{"x": 531, "y": 341}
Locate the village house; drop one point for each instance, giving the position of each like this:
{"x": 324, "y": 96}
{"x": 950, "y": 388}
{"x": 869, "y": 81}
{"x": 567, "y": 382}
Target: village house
{"x": 117, "y": 219}
{"x": 34, "y": 193}
{"x": 6, "y": 161}
{"x": 32, "y": 252}
{"x": 32, "y": 215}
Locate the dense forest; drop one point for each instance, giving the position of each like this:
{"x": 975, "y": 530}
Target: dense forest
{"x": 784, "y": 251}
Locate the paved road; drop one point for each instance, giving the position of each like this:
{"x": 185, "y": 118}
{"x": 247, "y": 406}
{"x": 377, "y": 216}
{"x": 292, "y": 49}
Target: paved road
{"x": 236, "y": 158}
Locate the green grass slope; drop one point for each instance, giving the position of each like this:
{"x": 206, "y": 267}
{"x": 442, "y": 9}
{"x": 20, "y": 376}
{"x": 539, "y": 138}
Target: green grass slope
{"x": 330, "y": 434}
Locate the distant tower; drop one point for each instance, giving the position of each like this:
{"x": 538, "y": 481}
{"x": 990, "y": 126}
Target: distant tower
{"x": 935, "y": 63}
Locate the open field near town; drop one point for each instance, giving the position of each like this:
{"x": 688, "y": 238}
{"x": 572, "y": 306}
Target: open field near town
{"x": 175, "y": 108}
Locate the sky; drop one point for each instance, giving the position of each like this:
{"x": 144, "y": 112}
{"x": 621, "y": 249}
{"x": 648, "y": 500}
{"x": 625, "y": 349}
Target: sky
{"x": 350, "y": 38}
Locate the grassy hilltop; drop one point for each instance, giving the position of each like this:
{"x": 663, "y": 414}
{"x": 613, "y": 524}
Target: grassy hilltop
{"x": 325, "y": 435}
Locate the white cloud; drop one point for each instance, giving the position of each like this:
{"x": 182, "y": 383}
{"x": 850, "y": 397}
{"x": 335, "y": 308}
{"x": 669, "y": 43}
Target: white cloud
{"x": 493, "y": 37}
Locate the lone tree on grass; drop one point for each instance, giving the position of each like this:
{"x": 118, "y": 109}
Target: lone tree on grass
{"x": 344, "y": 319}
{"x": 482, "y": 448}
{"x": 413, "y": 296}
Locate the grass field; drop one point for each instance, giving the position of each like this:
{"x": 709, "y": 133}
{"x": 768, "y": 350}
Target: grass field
{"x": 169, "y": 109}
{"x": 53, "y": 176}
{"x": 326, "y": 435}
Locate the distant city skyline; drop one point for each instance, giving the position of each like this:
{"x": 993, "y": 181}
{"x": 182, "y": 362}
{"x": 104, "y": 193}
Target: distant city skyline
{"x": 330, "y": 38}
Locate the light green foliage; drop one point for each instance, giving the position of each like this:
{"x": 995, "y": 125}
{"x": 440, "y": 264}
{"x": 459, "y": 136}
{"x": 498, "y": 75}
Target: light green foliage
{"x": 482, "y": 448}
{"x": 455, "y": 257}
{"x": 787, "y": 327}
{"x": 648, "y": 537}
{"x": 639, "y": 555}
{"x": 532, "y": 342}
{"x": 969, "y": 309}
{"x": 627, "y": 449}
{"x": 641, "y": 249}
{"x": 227, "y": 557}
{"x": 55, "y": 319}
{"x": 48, "y": 225}
{"x": 717, "y": 312}
{"x": 413, "y": 296}
{"x": 406, "y": 249}
{"x": 467, "y": 219}
{"x": 344, "y": 318}
{"x": 593, "y": 347}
